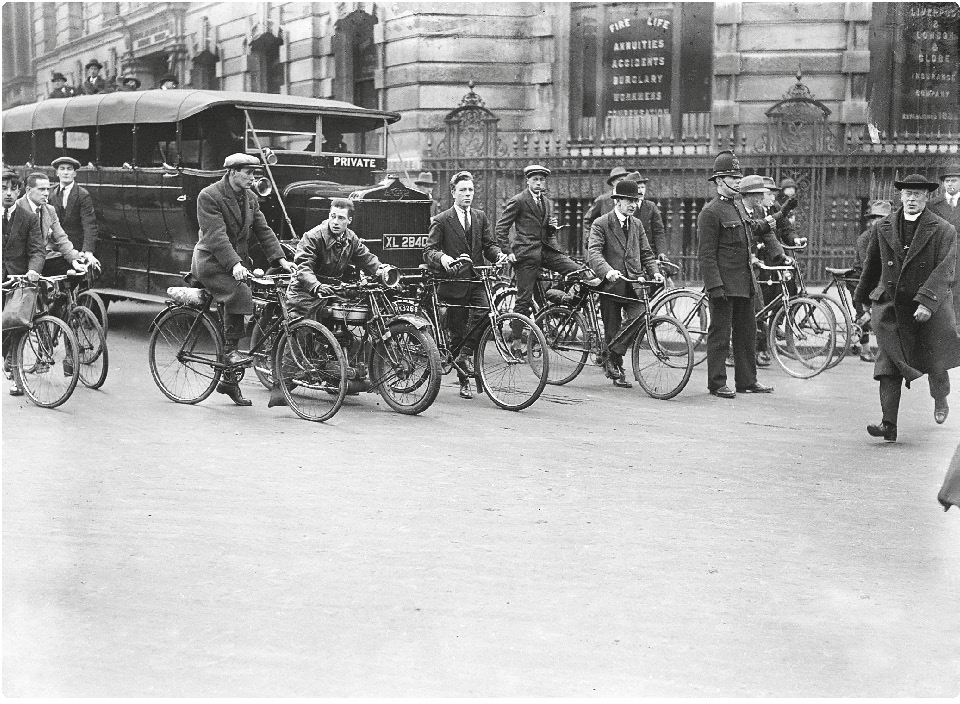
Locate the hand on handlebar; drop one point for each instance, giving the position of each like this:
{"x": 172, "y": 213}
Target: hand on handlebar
{"x": 800, "y": 242}
{"x": 286, "y": 265}
{"x": 658, "y": 278}
{"x": 613, "y": 275}
{"x": 33, "y": 276}
{"x": 512, "y": 258}
{"x": 92, "y": 260}
{"x": 79, "y": 265}
{"x": 447, "y": 261}
{"x": 240, "y": 272}
{"x": 323, "y": 290}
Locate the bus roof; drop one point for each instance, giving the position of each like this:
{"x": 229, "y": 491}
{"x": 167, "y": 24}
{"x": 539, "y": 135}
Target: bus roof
{"x": 162, "y": 106}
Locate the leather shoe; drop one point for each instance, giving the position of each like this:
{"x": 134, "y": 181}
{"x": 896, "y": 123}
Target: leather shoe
{"x": 233, "y": 391}
{"x": 16, "y": 391}
{"x": 940, "y": 410}
{"x": 756, "y": 388}
{"x": 466, "y": 364}
{"x": 883, "y": 429}
{"x": 611, "y": 370}
{"x": 763, "y": 359}
{"x": 621, "y": 382}
{"x": 868, "y": 355}
{"x": 236, "y": 358}
{"x": 724, "y": 392}
{"x": 465, "y": 391}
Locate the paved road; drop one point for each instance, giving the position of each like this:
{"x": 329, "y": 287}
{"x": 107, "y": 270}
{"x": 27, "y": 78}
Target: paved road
{"x": 599, "y": 543}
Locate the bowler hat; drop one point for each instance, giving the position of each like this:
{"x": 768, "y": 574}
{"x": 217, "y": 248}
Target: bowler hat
{"x": 636, "y": 177}
{"x": 171, "y": 78}
{"x": 726, "y": 164}
{"x": 425, "y": 179}
{"x": 616, "y": 172}
{"x": 753, "y": 184}
{"x": 130, "y": 79}
{"x": 57, "y": 76}
{"x": 65, "y": 160}
{"x": 787, "y": 183}
{"x": 93, "y": 62}
{"x": 535, "y": 169}
{"x": 627, "y": 189}
{"x": 240, "y": 161}
{"x": 916, "y": 181}
{"x": 880, "y": 209}
{"x": 952, "y": 170}
{"x": 770, "y": 183}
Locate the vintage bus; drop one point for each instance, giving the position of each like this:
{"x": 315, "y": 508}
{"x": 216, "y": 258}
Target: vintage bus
{"x": 146, "y": 155}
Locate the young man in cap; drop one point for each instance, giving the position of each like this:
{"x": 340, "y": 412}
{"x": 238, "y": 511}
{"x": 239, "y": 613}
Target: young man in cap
{"x": 724, "y": 253}
{"x": 618, "y": 248}
{"x": 460, "y": 237}
{"x": 230, "y": 217}
{"x": 426, "y": 183}
{"x": 907, "y": 276}
{"x": 533, "y": 244}
{"x": 24, "y": 251}
{"x": 60, "y": 87}
{"x": 74, "y": 206}
{"x": 603, "y": 203}
{"x": 878, "y": 210}
{"x": 94, "y": 82}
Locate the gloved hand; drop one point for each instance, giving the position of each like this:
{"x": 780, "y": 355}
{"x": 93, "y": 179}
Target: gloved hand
{"x": 323, "y": 290}
{"x": 789, "y": 206}
{"x": 718, "y": 294}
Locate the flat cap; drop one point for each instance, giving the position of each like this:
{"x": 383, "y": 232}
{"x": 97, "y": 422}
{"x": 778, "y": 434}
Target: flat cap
{"x": 952, "y": 170}
{"x": 65, "y": 160}
{"x": 788, "y": 183}
{"x": 239, "y": 161}
{"x": 535, "y": 169}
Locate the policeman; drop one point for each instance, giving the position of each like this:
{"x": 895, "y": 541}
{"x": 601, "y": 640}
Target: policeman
{"x": 724, "y": 256}
{"x": 229, "y": 214}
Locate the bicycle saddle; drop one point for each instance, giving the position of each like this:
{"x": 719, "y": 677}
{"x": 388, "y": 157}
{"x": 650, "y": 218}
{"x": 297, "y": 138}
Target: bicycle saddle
{"x": 840, "y": 272}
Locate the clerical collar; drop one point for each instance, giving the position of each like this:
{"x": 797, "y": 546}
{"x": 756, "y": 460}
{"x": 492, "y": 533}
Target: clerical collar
{"x": 912, "y": 218}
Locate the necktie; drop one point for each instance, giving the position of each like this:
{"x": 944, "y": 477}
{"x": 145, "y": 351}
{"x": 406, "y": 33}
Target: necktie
{"x": 466, "y": 221}
{"x": 66, "y": 192}
{"x": 6, "y": 220}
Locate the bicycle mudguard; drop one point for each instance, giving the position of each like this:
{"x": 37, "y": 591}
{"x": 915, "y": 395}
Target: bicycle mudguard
{"x": 415, "y": 320}
{"x": 171, "y": 306}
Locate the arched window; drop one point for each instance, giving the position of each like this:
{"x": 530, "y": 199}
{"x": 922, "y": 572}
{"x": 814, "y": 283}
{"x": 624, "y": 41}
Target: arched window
{"x": 204, "y": 73}
{"x": 356, "y": 60}
{"x": 266, "y": 71}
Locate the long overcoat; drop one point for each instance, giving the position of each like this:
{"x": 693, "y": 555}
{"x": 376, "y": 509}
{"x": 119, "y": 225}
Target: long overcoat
{"x": 531, "y": 233}
{"x": 226, "y": 227}
{"x": 448, "y": 237}
{"x": 895, "y": 282}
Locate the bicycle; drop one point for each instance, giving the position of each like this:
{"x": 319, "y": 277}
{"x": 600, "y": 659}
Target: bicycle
{"x": 41, "y": 350}
{"x": 854, "y": 326}
{"x": 387, "y": 351}
{"x": 91, "y": 338}
{"x": 690, "y": 306}
{"x": 511, "y": 376}
{"x": 89, "y": 298}
{"x": 186, "y": 351}
{"x": 662, "y": 350}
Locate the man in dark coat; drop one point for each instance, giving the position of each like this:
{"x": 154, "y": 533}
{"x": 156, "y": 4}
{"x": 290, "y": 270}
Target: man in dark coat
{"x": 229, "y": 215}
{"x": 724, "y": 254}
{"x": 947, "y": 206}
{"x": 94, "y": 82}
{"x": 60, "y": 87}
{"x": 603, "y": 203}
{"x": 74, "y": 206}
{"x": 533, "y": 244}
{"x": 24, "y": 251}
{"x": 878, "y": 209}
{"x": 618, "y": 248}
{"x": 649, "y": 216}
{"x": 907, "y": 277}
{"x": 460, "y": 237}
{"x": 425, "y": 183}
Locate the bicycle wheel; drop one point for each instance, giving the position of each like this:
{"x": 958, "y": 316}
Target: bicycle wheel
{"x": 311, "y": 370}
{"x": 802, "y": 337}
{"x": 663, "y": 357}
{"x": 264, "y": 356}
{"x": 184, "y": 346}
{"x": 92, "y": 347}
{"x": 513, "y": 374}
{"x": 843, "y": 327}
{"x": 405, "y": 368}
{"x": 692, "y": 309}
{"x": 46, "y": 363}
{"x": 568, "y": 342}
{"x": 93, "y": 301}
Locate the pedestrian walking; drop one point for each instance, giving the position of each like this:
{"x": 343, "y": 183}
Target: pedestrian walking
{"x": 724, "y": 254}
{"x": 907, "y": 277}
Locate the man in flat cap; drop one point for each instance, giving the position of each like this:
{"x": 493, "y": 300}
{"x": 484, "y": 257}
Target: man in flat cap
{"x": 60, "y": 87}
{"x": 907, "y": 278}
{"x": 618, "y": 248}
{"x": 229, "y": 216}
{"x": 94, "y": 82}
{"x": 533, "y": 244}
{"x": 725, "y": 236}
{"x": 74, "y": 206}
{"x": 603, "y": 203}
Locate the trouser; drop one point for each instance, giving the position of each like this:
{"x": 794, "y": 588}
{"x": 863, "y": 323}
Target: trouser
{"x": 891, "y": 387}
{"x": 769, "y": 294}
{"x": 620, "y": 318}
{"x": 731, "y": 316}
{"x": 528, "y": 271}
{"x": 56, "y": 266}
{"x": 460, "y": 320}
{"x": 233, "y": 330}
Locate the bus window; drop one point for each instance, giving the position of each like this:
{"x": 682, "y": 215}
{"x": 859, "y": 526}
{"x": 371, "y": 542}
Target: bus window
{"x": 210, "y": 137}
{"x": 79, "y": 142}
{"x": 116, "y": 145}
{"x": 16, "y": 147}
{"x": 353, "y": 135}
{"x": 291, "y": 132}
{"x": 157, "y": 144}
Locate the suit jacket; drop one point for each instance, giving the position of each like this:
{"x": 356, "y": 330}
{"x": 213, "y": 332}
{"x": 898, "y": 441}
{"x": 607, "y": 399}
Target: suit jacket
{"x": 98, "y": 85}
{"x": 724, "y": 247}
{"x": 78, "y": 219}
{"x": 447, "y": 237}
{"x": 24, "y": 247}
{"x": 227, "y": 224}
{"x": 895, "y": 281}
{"x": 55, "y": 239}
{"x": 531, "y": 233}
{"x": 601, "y": 205}
{"x": 609, "y": 247}
{"x": 649, "y": 214}
{"x": 65, "y": 92}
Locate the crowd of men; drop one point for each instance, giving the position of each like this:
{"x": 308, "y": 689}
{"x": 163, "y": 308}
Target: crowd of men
{"x": 907, "y": 259}
{"x": 94, "y": 83}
